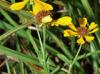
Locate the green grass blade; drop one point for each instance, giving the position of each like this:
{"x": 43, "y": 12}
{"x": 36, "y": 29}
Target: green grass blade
{"x": 13, "y": 30}
{"x": 8, "y": 68}
{"x": 9, "y": 52}
{"x": 87, "y": 8}
{"x": 60, "y": 44}
{"x": 8, "y": 17}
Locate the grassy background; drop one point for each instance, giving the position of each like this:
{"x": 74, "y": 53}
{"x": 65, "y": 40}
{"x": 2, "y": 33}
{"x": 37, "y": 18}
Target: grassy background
{"x": 25, "y": 51}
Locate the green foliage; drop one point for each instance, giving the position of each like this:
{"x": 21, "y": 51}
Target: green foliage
{"x": 45, "y": 50}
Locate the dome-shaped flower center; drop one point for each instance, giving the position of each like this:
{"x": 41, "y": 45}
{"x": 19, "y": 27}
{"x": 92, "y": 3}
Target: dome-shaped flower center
{"x": 82, "y": 31}
{"x": 41, "y": 15}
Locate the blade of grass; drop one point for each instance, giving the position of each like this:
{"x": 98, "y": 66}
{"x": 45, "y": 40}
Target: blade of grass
{"x": 98, "y": 36}
{"x": 55, "y": 70}
{"x": 21, "y": 65}
{"x": 95, "y": 65}
{"x": 45, "y": 51}
{"x": 33, "y": 42}
{"x": 9, "y": 27}
{"x": 60, "y": 44}
{"x": 87, "y": 8}
{"x": 8, "y": 17}
{"x": 8, "y": 68}
{"x": 9, "y": 52}
{"x": 13, "y": 30}
{"x": 1, "y": 25}
{"x": 11, "y": 21}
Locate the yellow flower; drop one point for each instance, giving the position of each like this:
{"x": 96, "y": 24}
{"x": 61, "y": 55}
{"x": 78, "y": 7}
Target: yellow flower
{"x": 19, "y": 5}
{"x": 82, "y": 32}
{"x": 41, "y": 11}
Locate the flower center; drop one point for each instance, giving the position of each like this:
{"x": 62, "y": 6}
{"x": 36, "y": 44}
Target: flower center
{"x": 82, "y": 31}
{"x": 41, "y": 15}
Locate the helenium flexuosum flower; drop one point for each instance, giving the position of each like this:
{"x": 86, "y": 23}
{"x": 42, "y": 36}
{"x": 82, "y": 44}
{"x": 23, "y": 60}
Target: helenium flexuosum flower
{"x": 41, "y": 12}
{"x": 83, "y": 33}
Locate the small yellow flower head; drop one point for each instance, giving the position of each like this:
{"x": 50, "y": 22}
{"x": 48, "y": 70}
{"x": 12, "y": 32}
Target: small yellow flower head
{"x": 63, "y": 21}
{"x": 41, "y": 12}
{"x": 19, "y": 5}
{"x": 82, "y": 32}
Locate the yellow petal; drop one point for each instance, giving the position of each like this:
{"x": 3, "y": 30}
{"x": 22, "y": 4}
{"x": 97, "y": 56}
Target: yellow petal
{"x": 80, "y": 40}
{"x": 89, "y": 38}
{"x": 92, "y": 26}
{"x": 46, "y": 19}
{"x": 83, "y": 22}
{"x": 71, "y": 26}
{"x": 18, "y": 5}
{"x": 63, "y": 21}
{"x": 69, "y": 32}
{"x": 94, "y": 30}
{"x": 41, "y": 6}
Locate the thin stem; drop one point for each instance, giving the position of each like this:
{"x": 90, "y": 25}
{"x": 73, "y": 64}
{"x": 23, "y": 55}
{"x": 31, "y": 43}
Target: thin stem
{"x": 88, "y": 54}
{"x": 74, "y": 60}
{"x": 43, "y": 50}
{"x": 44, "y": 36}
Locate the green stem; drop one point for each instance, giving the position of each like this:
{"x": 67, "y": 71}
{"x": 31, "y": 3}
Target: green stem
{"x": 44, "y": 36}
{"x": 75, "y": 59}
{"x": 19, "y": 50}
{"x": 43, "y": 50}
{"x": 88, "y": 54}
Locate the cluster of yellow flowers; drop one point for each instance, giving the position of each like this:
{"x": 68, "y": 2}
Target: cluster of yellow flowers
{"x": 41, "y": 12}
